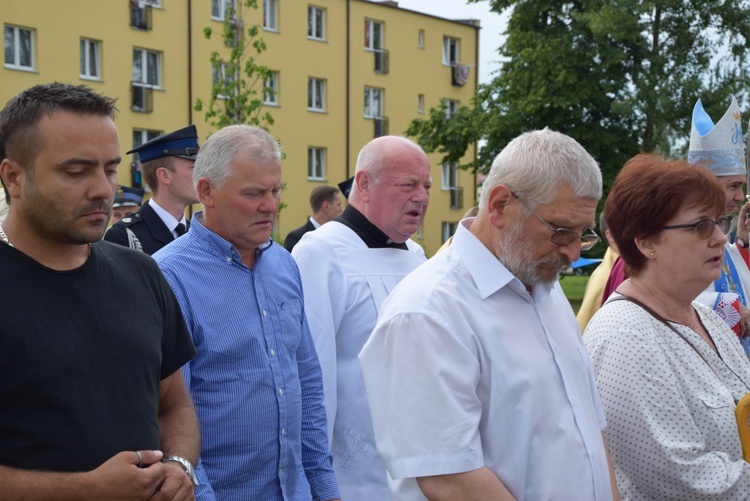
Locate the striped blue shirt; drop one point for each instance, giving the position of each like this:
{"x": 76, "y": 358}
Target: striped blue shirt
{"x": 256, "y": 381}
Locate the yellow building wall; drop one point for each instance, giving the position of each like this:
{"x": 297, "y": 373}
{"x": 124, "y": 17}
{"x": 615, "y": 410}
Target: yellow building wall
{"x": 341, "y": 60}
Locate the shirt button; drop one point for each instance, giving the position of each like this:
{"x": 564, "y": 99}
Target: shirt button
{"x": 273, "y": 352}
{"x": 281, "y": 391}
{"x": 229, "y": 259}
{"x": 264, "y": 313}
{"x": 283, "y": 432}
{"x": 281, "y": 471}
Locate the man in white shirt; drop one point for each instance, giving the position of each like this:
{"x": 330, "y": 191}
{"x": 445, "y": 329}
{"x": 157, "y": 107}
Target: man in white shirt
{"x": 478, "y": 382}
{"x": 167, "y": 166}
{"x": 348, "y": 267}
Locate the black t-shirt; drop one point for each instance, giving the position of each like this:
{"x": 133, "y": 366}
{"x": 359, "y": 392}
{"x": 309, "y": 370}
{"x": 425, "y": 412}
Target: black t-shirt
{"x": 82, "y": 353}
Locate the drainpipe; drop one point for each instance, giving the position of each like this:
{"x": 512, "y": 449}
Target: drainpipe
{"x": 348, "y": 83}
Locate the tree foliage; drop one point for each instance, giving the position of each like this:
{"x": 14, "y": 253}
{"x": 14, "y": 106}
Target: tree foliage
{"x": 620, "y": 76}
{"x": 239, "y": 88}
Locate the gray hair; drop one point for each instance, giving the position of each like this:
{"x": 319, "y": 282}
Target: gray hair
{"x": 370, "y": 158}
{"x": 537, "y": 163}
{"x": 219, "y": 150}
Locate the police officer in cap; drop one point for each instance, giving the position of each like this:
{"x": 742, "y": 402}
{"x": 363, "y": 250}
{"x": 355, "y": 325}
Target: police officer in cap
{"x": 167, "y": 167}
{"x": 127, "y": 201}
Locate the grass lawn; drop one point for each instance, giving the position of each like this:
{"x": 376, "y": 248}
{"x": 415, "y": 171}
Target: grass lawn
{"x": 574, "y": 287}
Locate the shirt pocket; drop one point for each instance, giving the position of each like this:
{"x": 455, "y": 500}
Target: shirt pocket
{"x": 290, "y": 322}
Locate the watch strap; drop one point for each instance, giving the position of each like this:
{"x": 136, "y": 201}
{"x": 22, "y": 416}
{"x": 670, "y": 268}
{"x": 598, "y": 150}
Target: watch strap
{"x": 186, "y": 465}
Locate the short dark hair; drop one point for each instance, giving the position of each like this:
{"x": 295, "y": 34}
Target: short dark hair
{"x": 18, "y": 138}
{"x": 321, "y": 194}
{"x": 148, "y": 171}
{"x": 648, "y": 192}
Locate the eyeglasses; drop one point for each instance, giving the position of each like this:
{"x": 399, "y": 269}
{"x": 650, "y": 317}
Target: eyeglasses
{"x": 705, "y": 227}
{"x": 564, "y": 236}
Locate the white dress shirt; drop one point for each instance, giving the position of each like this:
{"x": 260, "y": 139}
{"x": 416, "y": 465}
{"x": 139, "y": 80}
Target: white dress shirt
{"x": 168, "y": 219}
{"x": 466, "y": 369}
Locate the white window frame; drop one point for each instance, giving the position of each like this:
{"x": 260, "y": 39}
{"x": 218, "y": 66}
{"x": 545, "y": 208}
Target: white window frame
{"x": 420, "y": 103}
{"x": 312, "y": 28}
{"x": 271, "y": 15}
{"x": 420, "y": 39}
{"x": 451, "y": 107}
{"x": 372, "y": 42}
{"x": 152, "y": 3}
{"x": 86, "y": 46}
{"x": 15, "y": 32}
{"x": 316, "y": 94}
{"x": 374, "y": 102}
{"x": 316, "y": 163}
{"x": 451, "y": 51}
{"x": 272, "y": 82}
{"x": 218, "y": 71}
{"x": 145, "y": 53}
{"x": 219, "y": 9}
{"x": 449, "y": 177}
{"x": 447, "y": 230}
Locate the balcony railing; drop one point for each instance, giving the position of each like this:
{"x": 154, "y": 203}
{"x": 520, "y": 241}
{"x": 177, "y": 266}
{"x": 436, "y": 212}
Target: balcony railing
{"x": 140, "y": 16}
{"x": 141, "y": 97}
{"x": 382, "y": 61}
{"x": 457, "y": 197}
{"x": 381, "y": 126}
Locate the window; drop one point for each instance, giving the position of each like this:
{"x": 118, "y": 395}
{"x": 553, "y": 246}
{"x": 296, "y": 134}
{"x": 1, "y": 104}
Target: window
{"x": 451, "y": 53}
{"x": 155, "y": 3}
{"x": 271, "y": 90}
{"x": 420, "y": 39}
{"x": 451, "y": 107}
{"x": 271, "y": 15}
{"x": 140, "y": 136}
{"x": 373, "y": 35}
{"x": 146, "y": 68}
{"x": 447, "y": 230}
{"x": 449, "y": 179}
{"x": 316, "y": 23}
{"x": 90, "y": 59}
{"x": 316, "y": 94}
{"x": 220, "y": 9}
{"x": 19, "y": 48}
{"x": 316, "y": 163}
{"x": 221, "y": 75}
{"x": 420, "y": 103}
{"x": 373, "y": 102}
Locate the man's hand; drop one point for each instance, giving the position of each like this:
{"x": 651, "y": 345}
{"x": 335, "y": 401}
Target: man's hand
{"x": 121, "y": 478}
{"x": 743, "y": 223}
{"x": 177, "y": 485}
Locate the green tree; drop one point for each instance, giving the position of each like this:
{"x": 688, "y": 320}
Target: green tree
{"x": 240, "y": 82}
{"x": 620, "y": 76}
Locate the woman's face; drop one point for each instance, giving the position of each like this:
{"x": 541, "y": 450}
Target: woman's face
{"x": 682, "y": 256}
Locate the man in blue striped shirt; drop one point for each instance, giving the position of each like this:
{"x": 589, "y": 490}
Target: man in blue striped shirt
{"x": 256, "y": 381}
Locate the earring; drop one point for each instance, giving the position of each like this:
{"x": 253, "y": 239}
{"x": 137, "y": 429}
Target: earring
{"x": 652, "y": 254}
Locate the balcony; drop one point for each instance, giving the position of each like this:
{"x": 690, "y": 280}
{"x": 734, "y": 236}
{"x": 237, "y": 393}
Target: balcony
{"x": 381, "y": 126}
{"x": 140, "y": 16}
{"x": 457, "y": 197}
{"x": 382, "y": 61}
{"x": 141, "y": 97}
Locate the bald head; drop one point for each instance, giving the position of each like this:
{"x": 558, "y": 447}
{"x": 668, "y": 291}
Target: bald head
{"x": 391, "y": 185}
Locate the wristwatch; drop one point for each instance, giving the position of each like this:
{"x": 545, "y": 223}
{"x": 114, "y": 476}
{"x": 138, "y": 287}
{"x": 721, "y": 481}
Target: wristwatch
{"x": 186, "y": 465}
{"x": 741, "y": 243}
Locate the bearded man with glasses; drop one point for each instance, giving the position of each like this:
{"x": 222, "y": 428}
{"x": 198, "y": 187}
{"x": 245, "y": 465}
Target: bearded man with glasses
{"x": 477, "y": 377}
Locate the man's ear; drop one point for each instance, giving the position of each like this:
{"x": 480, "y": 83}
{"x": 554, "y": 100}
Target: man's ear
{"x": 164, "y": 175}
{"x": 498, "y": 199}
{"x": 362, "y": 183}
{"x": 205, "y": 191}
{"x": 13, "y": 176}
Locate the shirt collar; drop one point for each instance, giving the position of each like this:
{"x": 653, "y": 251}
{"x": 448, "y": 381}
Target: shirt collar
{"x": 315, "y": 223}
{"x": 216, "y": 244}
{"x": 370, "y": 234}
{"x": 485, "y": 268}
{"x": 169, "y": 220}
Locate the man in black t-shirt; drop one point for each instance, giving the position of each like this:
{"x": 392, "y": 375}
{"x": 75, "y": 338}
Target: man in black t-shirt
{"x": 93, "y": 401}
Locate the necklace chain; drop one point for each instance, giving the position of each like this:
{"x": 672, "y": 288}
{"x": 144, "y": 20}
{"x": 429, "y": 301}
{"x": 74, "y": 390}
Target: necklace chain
{"x": 6, "y": 240}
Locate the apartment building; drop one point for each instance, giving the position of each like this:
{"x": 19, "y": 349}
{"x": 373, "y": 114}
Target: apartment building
{"x": 344, "y": 72}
